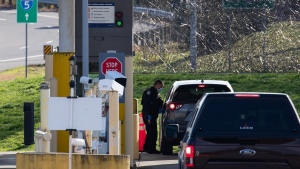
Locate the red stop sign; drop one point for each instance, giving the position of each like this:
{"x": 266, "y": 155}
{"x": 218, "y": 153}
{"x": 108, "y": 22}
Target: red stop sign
{"x": 111, "y": 64}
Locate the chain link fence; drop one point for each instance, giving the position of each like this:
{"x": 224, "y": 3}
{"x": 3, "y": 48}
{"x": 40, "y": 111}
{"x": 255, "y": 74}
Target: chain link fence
{"x": 247, "y": 39}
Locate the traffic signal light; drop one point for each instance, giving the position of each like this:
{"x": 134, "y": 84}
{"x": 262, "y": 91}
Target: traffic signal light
{"x": 119, "y": 19}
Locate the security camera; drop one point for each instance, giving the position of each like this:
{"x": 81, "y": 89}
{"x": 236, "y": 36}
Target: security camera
{"x": 118, "y": 77}
{"x": 107, "y": 85}
{"x": 86, "y": 81}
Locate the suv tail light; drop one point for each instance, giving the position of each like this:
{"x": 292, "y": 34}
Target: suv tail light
{"x": 247, "y": 95}
{"x": 189, "y": 156}
{"x": 174, "y": 106}
{"x": 201, "y": 86}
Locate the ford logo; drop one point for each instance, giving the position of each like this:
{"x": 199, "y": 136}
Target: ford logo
{"x": 248, "y": 152}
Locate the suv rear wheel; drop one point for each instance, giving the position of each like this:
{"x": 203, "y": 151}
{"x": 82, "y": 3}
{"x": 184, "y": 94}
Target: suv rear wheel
{"x": 165, "y": 147}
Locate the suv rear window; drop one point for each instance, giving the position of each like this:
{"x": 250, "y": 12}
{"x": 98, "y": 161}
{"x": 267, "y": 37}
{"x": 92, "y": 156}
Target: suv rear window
{"x": 244, "y": 116}
{"x": 194, "y": 92}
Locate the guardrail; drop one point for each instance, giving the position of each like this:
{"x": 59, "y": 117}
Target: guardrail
{"x": 49, "y": 1}
{"x": 148, "y": 11}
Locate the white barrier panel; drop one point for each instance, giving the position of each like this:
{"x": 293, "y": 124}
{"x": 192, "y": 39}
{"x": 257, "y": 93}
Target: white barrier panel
{"x": 86, "y": 113}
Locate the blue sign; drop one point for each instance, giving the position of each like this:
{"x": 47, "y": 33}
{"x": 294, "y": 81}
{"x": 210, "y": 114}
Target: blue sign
{"x": 26, "y": 4}
{"x": 101, "y": 15}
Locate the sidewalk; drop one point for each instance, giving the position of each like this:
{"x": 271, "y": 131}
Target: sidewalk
{"x": 156, "y": 161}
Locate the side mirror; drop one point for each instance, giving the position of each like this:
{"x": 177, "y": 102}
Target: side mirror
{"x": 172, "y": 131}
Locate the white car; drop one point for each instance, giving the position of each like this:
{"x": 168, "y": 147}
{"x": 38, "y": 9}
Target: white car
{"x": 180, "y": 102}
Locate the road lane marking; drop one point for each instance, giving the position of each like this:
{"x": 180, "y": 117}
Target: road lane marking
{"x": 157, "y": 162}
{"x": 1, "y": 19}
{"x": 23, "y": 47}
{"x": 49, "y": 41}
{"x": 7, "y": 158}
{"x": 46, "y": 16}
{"x": 8, "y": 11}
{"x": 8, "y": 166}
{"x": 8, "y": 60}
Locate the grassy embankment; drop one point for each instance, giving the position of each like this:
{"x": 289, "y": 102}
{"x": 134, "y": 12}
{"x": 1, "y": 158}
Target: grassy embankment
{"x": 15, "y": 90}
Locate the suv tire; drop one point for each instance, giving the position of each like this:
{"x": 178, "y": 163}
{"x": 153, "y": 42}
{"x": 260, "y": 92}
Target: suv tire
{"x": 165, "y": 147}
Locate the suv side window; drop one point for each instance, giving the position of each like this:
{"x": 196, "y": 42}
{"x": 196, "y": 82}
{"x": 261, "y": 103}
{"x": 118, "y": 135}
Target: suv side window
{"x": 191, "y": 121}
{"x": 170, "y": 93}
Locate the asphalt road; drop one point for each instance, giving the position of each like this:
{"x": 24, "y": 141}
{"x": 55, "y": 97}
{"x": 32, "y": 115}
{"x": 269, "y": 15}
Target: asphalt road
{"x": 157, "y": 161}
{"x": 13, "y": 38}
{"x": 44, "y": 32}
{"x": 7, "y": 160}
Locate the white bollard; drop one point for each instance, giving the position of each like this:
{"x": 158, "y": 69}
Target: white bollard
{"x": 45, "y": 94}
{"x": 40, "y": 138}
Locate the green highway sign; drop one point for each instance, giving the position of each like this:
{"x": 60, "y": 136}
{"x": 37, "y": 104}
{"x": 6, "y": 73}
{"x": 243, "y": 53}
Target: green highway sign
{"x": 248, "y": 4}
{"x": 27, "y": 11}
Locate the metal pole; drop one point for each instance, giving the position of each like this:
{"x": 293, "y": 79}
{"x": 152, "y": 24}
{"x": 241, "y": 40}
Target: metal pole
{"x": 129, "y": 108}
{"x": 53, "y": 93}
{"x": 229, "y": 42}
{"x": 85, "y": 57}
{"x": 67, "y": 38}
{"x": 72, "y": 92}
{"x": 264, "y": 42}
{"x": 45, "y": 94}
{"x": 66, "y": 25}
{"x": 26, "y": 52}
{"x": 193, "y": 35}
{"x": 85, "y": 40}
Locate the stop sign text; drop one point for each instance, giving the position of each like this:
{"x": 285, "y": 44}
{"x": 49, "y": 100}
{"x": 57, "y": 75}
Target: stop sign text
{"x": 111, "y": 64}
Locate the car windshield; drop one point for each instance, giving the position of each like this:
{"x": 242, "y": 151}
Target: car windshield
{"x": 194, "y": 92}
{"x": 245, "y": 116}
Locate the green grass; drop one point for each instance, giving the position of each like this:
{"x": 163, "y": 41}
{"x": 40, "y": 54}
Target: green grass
{"x": 15, "y": 92}
{"x": 281, "y": 54}
{"x": 269, "y": 82}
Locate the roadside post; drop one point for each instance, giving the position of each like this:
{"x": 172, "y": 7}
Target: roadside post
{"x": 43, "y": 135}
{"x": 26, "y": 13}
{"x": 47, "y": 49}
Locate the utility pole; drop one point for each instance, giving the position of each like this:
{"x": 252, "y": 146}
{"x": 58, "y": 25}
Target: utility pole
{"x": 66, "y": 25}
{"x": 193, "y": 35}
{"x": 66, "y": 44}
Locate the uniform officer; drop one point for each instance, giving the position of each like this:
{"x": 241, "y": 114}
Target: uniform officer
{"x": 152, "y": 104}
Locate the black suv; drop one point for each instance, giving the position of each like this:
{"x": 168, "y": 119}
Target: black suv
{"x": 180, "y": 102}
{"x": 241, "y": 130}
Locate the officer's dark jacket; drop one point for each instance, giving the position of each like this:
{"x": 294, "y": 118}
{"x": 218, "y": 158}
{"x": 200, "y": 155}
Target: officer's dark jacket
{"x": 151, "y": 102}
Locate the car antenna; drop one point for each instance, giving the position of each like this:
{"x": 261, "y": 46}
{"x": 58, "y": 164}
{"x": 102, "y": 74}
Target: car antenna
{"x": 202, "y": 81}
